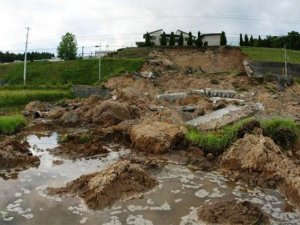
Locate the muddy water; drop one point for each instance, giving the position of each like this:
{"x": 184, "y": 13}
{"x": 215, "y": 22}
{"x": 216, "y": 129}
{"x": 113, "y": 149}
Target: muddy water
{"x": 23, "y": 198}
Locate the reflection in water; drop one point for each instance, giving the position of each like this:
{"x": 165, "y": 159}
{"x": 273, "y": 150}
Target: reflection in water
{"x": 174, "y": 201}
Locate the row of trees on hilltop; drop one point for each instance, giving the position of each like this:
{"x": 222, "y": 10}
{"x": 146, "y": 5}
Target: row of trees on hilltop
{"x": 291, "y": 41}
{"x": 7, "y": 57}
{"x": 180, "y": 42}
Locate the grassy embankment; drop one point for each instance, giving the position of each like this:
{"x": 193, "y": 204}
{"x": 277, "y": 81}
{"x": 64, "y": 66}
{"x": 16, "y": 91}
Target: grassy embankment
{"x": 11, "y": 124}
{"x": 271, "y": 54}
{"x": 283, "y": 131}
{"x": 83, "y": 72}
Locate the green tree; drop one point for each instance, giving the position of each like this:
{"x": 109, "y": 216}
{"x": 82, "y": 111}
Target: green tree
{"x": 241, "y": 40}
{"x": 180, "y": 40}
{"x": 163, "y": 40}
{"x": 67, "y": 48}
{"x": 199, "y": 42}
{"x": 223, "y": 41}
{"x": 172, "y": 39}
{"x": 246, "y": 42}
{"x": 251, "y": 43}
{"x": 147, "y": 40}
{"x": 260, "y": 43}
{"x": 190, "y": 39}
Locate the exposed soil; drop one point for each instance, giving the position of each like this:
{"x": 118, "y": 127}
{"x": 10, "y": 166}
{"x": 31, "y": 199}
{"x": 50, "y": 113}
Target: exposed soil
{"x": 99, "y": 190}
{"x": 232, "y": 212}
{"x": 16, "y": 154}
{"x": 265, "y": 164}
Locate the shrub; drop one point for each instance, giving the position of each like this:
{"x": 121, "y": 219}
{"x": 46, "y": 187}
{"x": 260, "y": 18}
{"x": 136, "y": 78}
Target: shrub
{"x": 11, "y": 124}
{"x": 284, "y": 132}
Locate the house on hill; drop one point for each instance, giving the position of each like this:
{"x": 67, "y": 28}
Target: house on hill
{"x": 211, "y": 39}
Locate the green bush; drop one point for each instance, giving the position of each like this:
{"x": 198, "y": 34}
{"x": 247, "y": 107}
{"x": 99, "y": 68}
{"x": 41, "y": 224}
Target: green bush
{"x": 11, "y": 124}
{"x": 284, "y": 132}
{"x": 217, "y": 141}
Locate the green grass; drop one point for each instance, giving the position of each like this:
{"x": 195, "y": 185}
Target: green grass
{"x": 217, "y": 141}
{"x": 69, "y": 72}
{"x": 284, "y": 132}
{"x": 271, "y": 54}
{"x": 11, "y": 124}
{"x": 9, "y": 98}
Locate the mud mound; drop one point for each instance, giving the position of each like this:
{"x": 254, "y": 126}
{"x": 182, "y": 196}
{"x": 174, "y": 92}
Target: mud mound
{"x": 99, "y": 190}
{"x": 15, "y": 154}
{"x": 231, "y": 213}
{"x": 261, "y": 157}
{"x": 75, "y": 150}
{"x": 110, "y": 113}
{"x": 157, "y": 137}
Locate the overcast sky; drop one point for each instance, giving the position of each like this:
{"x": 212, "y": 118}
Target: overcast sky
{"x": 119, "y": 23}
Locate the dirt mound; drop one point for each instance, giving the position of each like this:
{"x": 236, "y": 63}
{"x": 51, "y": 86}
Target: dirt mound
{"x": 74, "y": 150}
{"x": 156, "y": 137}
{"x": 15, "y": 154}
{"x": 110, "y": 113}
{"x": 56, "y": 112}
{"x": 261, "y": 157}
{"x": 36, "y": 106}
{"x": 69, "y": 118}
{"x": 119, "y": 181}
{"x": 231, "y": 212}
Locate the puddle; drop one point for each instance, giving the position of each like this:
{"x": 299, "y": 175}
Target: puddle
{"x": 174, "y": 201}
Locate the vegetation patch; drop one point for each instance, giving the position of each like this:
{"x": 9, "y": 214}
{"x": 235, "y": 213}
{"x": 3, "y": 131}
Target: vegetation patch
{"x": 11, "y": 124}
{"x": 22, "y": 97}
{"x": 85, "y": 72}
{"x": 271, "y": 54}
{"x": 217, "y": 141}
{"x": 284, "y": 132}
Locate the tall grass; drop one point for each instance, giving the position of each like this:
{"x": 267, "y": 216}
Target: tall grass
{"x": 11, "y": 124}
{"x": 21, "y": 97}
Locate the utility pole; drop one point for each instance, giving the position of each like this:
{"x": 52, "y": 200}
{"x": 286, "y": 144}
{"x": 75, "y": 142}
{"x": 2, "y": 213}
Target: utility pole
{"x": 82, "y": 52}
{"x": 25, "y": 57}
{"x": 285, "y": 59}
{"x": 99, "y": 76}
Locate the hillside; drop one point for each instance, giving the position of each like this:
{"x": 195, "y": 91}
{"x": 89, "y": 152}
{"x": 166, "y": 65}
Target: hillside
{"x": 75, "y": 72}
{"x": 271, "y": 54}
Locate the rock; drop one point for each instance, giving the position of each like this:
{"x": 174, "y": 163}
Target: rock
{"x": 231, "y": 212}
{"x": 158, "y": 137}
{"x": 110, "y": 113}
{"x": 38, "y": 106}
{"x": 56, "y": 112}
{"x": 121, "y": 180}
{"x": 69, "y": 118}
{"x": 210, "y": 156}
{"x": 15, "y": 154}
{"x": 259, "y": 154}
